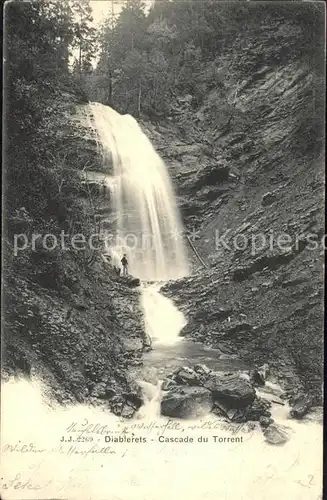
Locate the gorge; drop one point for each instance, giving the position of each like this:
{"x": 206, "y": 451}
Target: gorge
{"x": 195, "y": 146}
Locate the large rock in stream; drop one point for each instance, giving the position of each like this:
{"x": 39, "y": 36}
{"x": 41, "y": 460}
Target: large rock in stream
{"x": 186, "y": 402}
{"x": 230, "y": 389}
{"x": 277, "y": 434}
{"x": 302, "y": 405}
{"x": 226, "y": 391}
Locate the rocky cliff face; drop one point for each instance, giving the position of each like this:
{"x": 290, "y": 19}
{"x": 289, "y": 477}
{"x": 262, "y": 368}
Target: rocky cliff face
{"x": 68, "y": 318}
{"x": 247, "y": 164}
{"x": 254, "y": 175}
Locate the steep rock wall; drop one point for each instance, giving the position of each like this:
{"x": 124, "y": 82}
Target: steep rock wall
{"x": 256, "y": 172}
{"x": 68, "y": 319}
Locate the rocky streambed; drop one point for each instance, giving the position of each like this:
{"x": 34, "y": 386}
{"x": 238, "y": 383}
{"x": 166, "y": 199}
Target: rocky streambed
{"x": 248, "y": 169}
{"x": 236, "y": 397}
{"x": 186, "y": 380}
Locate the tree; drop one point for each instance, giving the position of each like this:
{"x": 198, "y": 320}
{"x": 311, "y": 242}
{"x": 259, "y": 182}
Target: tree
{"x": 39, "y": 38}
{"x": 84, "y": 34}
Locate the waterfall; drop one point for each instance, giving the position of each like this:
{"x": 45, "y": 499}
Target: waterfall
{"x": 163, "y": 321}
{"x": 149, "y": 228}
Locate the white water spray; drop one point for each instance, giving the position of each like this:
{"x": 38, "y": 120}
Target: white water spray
{"x": 163, "y": 321}
{"x": 149, "y": 228}
{"x": 65, "y": 453}
{"x": 93, "y": 469}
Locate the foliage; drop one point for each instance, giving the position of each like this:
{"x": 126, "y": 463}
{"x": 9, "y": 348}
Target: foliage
{"x": 146, "y": 60}
{"x": 40, "y": 39}
{"x": 85, "y": 37}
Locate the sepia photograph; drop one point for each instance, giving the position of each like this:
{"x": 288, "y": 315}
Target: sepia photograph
{"x": 163, "y": 250}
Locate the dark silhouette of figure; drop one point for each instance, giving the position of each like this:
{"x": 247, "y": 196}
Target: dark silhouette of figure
{"x": 124, "y": 264}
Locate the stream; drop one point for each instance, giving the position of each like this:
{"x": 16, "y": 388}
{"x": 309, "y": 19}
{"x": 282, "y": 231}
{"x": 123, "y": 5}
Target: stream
{"x": 87, "y": 453}
{"x": 170, "y": 351}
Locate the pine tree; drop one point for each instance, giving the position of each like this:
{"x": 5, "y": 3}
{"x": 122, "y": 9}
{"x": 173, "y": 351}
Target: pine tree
{"x": 84, "y": 34}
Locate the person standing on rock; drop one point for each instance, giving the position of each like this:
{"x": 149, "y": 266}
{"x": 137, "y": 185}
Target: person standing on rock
{"x": 125, "y": 265}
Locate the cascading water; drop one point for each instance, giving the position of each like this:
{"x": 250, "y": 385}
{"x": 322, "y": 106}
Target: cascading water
{"x": 70, "y": 452}
{"x": 91, "y": 468}
{"x": 149, "y": 228}
{"x": 163, "y": 321}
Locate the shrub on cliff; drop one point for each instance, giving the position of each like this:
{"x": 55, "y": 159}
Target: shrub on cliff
{"x": 39, "y": 178}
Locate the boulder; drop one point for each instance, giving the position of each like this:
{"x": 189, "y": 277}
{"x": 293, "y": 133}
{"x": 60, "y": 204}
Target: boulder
{"x": 120, "y": 407}
{"x": 258, "y": 375}
{"x": 256, "y": 378}
{"x": 127, "y": 411}
{"x": 127, "y": 403}
{"x": 236, "y": 415}
{"x": 187, "y": 376}
{"x": 130, "y": 281}
{"x": 302, "y": 405}
{"x": 134, "y": 398}
{"x": 186, "y": 402}
{"x": 265, "y": 422}
{"x": 259, "y": 408}
{"x": 168, "y": 383}
{"x": 277, "y": 434}
{"x": 230, "y": 389}
{"x": 134, "y": 282}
